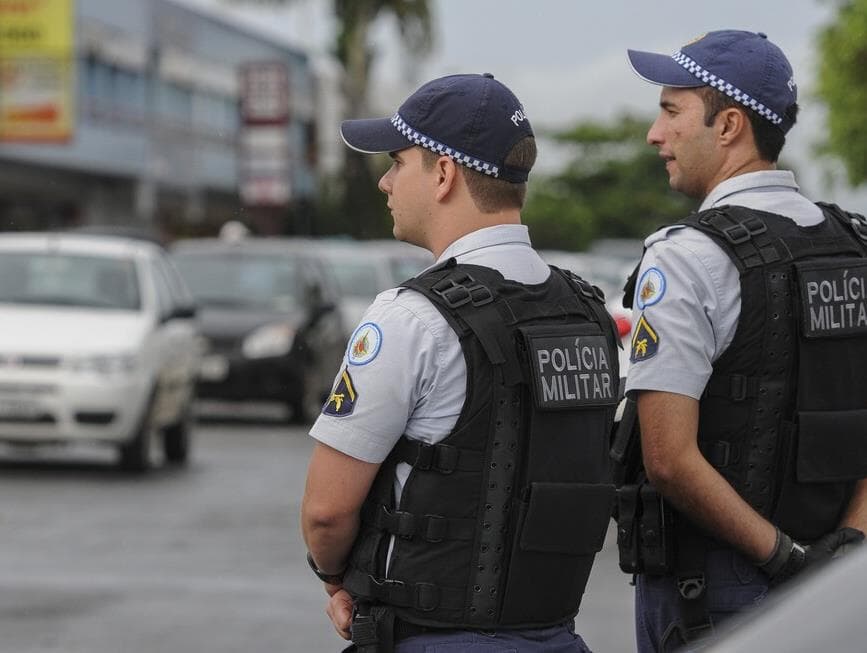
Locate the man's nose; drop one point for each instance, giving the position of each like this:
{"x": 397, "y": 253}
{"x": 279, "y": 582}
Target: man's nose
{"x": 654, "y": 134}
{"x": 384, "y": 184}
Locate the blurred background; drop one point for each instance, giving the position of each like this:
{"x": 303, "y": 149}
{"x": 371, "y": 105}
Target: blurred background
{"x": 178, "y": 115}
{"x": 186, "y": 244}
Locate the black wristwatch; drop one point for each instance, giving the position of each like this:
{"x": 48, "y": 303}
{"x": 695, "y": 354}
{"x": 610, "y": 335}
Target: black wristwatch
{"x": 331, "y": 579}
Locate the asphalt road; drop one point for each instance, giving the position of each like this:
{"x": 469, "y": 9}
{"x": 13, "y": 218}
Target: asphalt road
{"x": 204, "y": 559}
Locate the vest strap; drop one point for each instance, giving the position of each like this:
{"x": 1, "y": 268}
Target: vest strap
{"x": 745, "y": 232}
{"x": 432, "y": 528}
{"x": 442, "y": 458}
{"x": 855, "y": 221}
{"x": 720, "y": 453}
{"x": 736, "y": 387}
{"x": 691, "y": 583}
{"x": 595, "y": 299}
{"x": 461, "y": 289}
{"x": 425, "y": 597}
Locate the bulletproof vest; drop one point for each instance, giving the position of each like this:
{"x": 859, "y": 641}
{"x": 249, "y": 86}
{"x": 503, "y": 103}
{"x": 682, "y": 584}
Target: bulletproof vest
{"x": 784, "y": 415}
{"x": 498, "y": 523}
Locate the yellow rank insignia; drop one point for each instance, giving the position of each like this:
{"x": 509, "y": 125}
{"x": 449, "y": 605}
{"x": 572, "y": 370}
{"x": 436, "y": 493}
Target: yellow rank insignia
{"x": 645, "y": 341}
{"x": 342, "y": 400}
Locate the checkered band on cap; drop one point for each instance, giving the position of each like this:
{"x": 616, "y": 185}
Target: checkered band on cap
{"x": 435, "y": 146}
{"x": 722, "y": 85}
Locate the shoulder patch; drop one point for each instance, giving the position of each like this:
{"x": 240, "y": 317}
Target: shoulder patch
{"x": 645, "y": 341}
{"x": 364, "y": 344}
{"x": 342, "y": 400}
{"x": 651, "y": 288}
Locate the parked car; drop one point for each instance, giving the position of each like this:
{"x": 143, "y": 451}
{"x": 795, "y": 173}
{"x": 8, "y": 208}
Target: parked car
{"x": 364, "y": 268}
{"x": 268, "y": 310}
{"x": 98, "y": 344}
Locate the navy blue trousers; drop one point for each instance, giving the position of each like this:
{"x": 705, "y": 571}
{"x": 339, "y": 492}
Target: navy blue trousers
{"x": 733, "y": 584}
{"x": 558, "y": 639}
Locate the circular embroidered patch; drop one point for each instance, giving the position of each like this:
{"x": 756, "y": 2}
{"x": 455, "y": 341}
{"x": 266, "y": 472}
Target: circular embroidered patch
{"x": 651, "y": 288}
{"x": 364, "y": 344}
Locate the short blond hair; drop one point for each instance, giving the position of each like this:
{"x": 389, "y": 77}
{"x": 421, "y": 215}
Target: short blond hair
{"x": 490, "y": 194}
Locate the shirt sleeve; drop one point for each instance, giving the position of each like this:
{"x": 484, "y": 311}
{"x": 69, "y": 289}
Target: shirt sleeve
{"x": 685, "y": 312}
{"x": 390, "y": 366}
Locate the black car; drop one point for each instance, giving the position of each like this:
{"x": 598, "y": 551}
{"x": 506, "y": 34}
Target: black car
{"x": 268, "y": 310}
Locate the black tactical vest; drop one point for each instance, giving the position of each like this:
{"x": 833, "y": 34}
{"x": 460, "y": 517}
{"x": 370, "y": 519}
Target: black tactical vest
{"x": 498, "y": 524}
{"x": 784, "y": 414}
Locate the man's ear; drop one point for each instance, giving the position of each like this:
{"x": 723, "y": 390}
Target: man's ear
{"x": 446, "y": 171}
{"x": 733, "y": 123}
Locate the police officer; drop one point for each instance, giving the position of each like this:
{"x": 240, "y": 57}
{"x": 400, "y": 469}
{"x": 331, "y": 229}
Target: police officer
{"x": 459, "y": 486}
{"x": 749, "y": 337}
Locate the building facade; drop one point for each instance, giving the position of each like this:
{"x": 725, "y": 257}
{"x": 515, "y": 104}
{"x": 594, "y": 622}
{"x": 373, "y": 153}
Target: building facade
{"x": 157, "y": 131}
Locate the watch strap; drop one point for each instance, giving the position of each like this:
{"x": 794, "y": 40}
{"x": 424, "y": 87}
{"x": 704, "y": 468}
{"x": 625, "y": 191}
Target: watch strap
{"x": 331, "y": 579}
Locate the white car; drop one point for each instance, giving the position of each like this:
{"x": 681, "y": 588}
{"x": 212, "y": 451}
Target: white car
{"x": 97, "y": 344}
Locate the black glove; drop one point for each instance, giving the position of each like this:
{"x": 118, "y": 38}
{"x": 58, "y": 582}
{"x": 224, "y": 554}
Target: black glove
{"x": 790, "y": 558}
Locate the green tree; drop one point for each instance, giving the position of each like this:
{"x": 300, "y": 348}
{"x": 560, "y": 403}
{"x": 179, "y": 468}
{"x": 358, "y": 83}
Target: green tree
{"x": 614, "y": 186}
{"x": 355, "y": 51}
{"x": 351, "y": 203}
{"x": 842, "y": 86}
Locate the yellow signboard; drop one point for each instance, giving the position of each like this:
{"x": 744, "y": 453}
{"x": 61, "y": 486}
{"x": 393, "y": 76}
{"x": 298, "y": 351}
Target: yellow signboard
{"x": 36, "y": 70}
{"x": 36, "y": 27}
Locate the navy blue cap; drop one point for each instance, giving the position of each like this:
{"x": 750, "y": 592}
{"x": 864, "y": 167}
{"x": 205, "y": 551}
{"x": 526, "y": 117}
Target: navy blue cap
{"x": 474, "y": 119}
{"x": 744, "y": 65}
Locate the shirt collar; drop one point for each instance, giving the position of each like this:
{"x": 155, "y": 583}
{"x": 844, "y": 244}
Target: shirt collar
{"x": 750, "y": 181}
{"x": 500, "y": 234}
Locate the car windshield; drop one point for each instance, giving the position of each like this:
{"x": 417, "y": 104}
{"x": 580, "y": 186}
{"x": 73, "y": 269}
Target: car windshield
{"x": 356, "y": 278}
{"x": 406, "y": 268}
{"x": 59, "y": 279}
{"x": 240, "y": 280}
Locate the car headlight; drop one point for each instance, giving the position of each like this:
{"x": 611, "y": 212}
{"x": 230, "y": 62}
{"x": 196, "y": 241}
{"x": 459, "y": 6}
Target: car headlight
{"x": 269, "y": 340}
{"x": 106, "y": 364}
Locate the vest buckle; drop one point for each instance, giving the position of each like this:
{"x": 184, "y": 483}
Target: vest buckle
{"x": 397, "y": 522}
{"x": 859, "y": 226}
{"x": 424, "y": 456}
{"x": 587, "y": 289}
{"x": 738, "y": 387}
{"x": 441, "y": 458}
{"x": 463, "y": 290}
{"x": 741, "y": 232}
{"x": 437, "y": 527}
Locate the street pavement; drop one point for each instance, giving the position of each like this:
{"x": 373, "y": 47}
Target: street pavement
{"x": 206, "y": 559}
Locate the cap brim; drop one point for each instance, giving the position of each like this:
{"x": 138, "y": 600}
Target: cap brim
{"x": 373, "y": 136}
{"x": 661, "y": 69}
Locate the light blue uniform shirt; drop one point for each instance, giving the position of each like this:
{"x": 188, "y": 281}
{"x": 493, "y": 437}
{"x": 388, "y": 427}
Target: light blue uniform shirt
{"x": 693, "y": 301}
{"x": 416, "y": 383}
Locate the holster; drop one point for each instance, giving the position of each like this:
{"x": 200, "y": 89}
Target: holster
{"x": 645, "y": 530}
{"x": 372, "y": 629}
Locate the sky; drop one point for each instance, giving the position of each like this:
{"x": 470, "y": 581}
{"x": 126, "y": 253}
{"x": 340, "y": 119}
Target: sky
{"x": 566, "y": 59}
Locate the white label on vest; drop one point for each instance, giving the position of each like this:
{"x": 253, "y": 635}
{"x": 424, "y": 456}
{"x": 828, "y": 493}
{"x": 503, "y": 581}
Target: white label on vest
{"x": 572, "y": 371}
{"x": 833, "y": 298}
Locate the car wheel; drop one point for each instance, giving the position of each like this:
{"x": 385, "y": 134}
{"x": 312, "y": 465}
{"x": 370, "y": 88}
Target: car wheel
{"x": 177, "y": 438}
{"x": 135, "y": 455}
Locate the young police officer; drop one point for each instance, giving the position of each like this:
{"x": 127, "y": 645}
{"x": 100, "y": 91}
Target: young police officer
{"x": 458, "y": 489}
{"x": 749, "y": 338}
